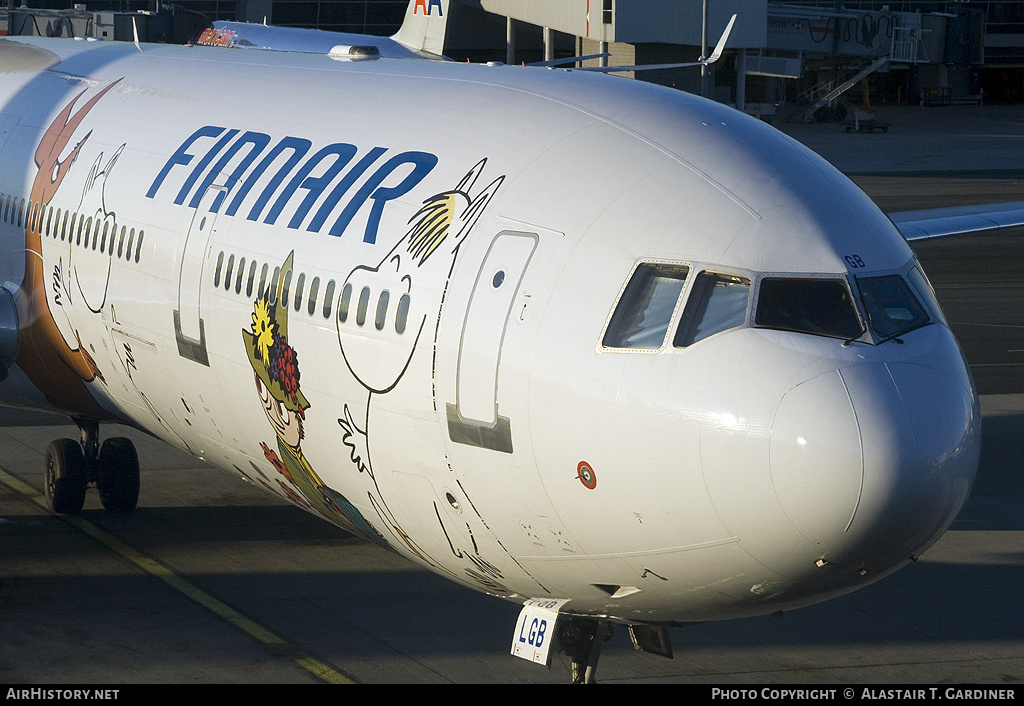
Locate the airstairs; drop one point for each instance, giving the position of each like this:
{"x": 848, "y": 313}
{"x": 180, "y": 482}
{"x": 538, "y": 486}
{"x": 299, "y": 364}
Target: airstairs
{"x": 834, "y": 93}
{"x": 904, "y": 48}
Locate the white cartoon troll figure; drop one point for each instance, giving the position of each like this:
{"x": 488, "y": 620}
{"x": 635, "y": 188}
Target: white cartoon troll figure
{"x": 383, "y": 309}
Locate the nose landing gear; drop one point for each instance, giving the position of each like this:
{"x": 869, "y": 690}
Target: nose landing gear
{"x": 71, "y": 466}
{"x": 581, "y": 639}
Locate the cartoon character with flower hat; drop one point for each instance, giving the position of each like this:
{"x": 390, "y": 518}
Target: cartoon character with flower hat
{"x": 276, "y": 367}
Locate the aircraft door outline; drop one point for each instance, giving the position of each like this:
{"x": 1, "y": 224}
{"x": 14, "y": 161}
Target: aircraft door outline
{"x": 474, "y": 418}
{"x": 189, "y": 329}
{"x": 13, "y": 263}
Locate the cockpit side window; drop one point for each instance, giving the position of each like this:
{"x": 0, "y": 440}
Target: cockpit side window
{"x": 925, "y": 291}
{"x": 645, "y": 308}
{"x": 818, "y": 306}
{"x": 718, "y": 302}
{"x": 891, "y": 305}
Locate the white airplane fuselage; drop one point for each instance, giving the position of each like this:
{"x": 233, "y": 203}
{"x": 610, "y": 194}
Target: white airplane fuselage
{"x": 479, "y": 419}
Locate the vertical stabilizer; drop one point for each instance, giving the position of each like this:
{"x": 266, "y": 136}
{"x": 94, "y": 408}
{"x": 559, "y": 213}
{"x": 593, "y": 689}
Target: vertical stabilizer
{"x": 424, "y": 26}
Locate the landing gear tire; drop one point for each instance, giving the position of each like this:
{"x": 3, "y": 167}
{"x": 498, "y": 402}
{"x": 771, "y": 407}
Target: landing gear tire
{"x": 117, "y": 476}
{"x": 66, "y": 478}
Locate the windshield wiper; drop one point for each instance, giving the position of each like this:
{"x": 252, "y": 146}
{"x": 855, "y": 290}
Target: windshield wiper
{"x": 892, "y": 337}
{"x": 904, "y": 332}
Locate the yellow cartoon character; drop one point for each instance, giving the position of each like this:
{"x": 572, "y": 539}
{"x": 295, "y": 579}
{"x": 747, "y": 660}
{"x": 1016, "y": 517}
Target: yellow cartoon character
{"x": 276, "y": 372}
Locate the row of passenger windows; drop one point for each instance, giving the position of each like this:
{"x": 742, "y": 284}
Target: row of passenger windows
{"x": 98, "y": 234}
{"x": 822, "y": 306}
{"x": 239, "y": 274}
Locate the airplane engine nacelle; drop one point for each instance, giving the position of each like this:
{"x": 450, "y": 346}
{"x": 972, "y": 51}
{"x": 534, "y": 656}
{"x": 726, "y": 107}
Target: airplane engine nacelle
{"x": 8, "y": 331}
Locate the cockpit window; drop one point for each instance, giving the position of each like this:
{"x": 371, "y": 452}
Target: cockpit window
{"x": 645, "y": 308}
{"x": 823, "y": 307}
{"x": 891, "y": 306}
{"x": 925, "y": 291}
{"x": 718, "y": 302}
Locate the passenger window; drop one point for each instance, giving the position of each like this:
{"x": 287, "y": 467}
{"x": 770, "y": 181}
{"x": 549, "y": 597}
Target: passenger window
{"x": 402, "y": 315}
{"x": 823, "y": 307}
{"x": 252, "y": 278}
{"x": 382, "y": 310}
{"x": 328, "y": 299}
{"x": 263, "y": 282}
{"x": 275, "y": 281}
{"x": 227, "y": 274}
{"x": 300, "y": 284}
{"x": 645, "y": 309}
{"x": 286, "y": 288}
{"x": 216, "y": 272}
{"x": 240, "y": 276}
{"x": 364, "y": 300}
{"x": 314, "y": 288}
{"x": 718, "y": 302}
{"x": 343, "y": 304}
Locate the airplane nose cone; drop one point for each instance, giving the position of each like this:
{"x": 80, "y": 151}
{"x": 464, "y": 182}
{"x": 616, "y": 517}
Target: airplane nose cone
{"x": 816, "y": 459}
{"x": 873, "y": 462}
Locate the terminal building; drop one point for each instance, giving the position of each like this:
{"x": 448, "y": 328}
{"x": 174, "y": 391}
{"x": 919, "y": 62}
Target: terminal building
{"x": 785, "y": 59}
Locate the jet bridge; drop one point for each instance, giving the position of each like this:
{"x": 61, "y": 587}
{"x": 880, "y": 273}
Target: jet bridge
{"x": 171, "y": 24}
{"x": 831, "y": 49}
{"x": 840, "y": 48}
